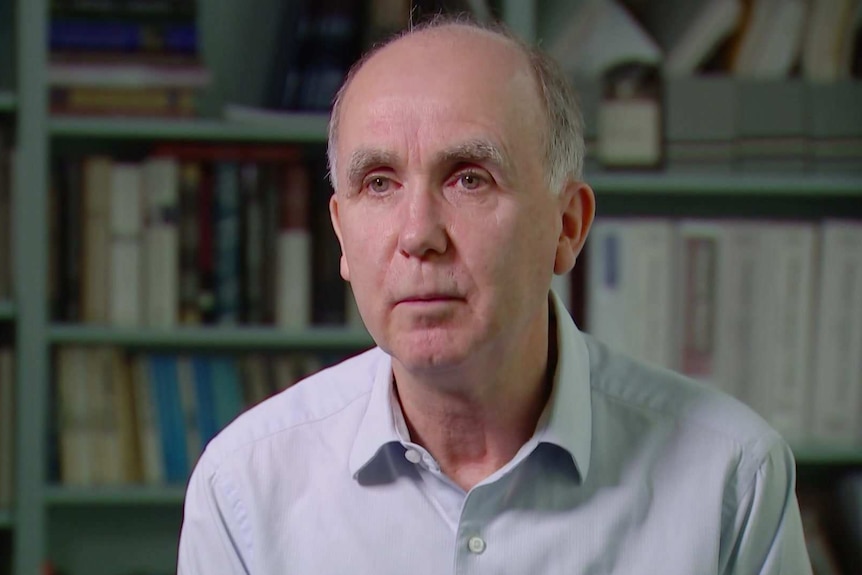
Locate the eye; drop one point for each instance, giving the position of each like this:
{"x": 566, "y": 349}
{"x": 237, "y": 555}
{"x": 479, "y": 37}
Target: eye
{"x": 378, "y": 184}
{"x": 471, "y": 180}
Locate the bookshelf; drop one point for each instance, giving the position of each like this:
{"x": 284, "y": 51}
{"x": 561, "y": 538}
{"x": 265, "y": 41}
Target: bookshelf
{"x": 296, "y": 128}
{"x": 7, "y": 311}
{"x": 74, "y": 525}
{"x": 7, "y": 101}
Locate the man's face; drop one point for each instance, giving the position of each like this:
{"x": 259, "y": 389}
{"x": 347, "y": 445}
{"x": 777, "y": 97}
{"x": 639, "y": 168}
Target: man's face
{"x": 448, "y": 230}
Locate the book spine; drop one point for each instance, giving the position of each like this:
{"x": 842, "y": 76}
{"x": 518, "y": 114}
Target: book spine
{"x": 161, "y": 241}
{"x": 126, "y": 221}
{"x": 837, "y": 411}
{"x": 190, "y": 237}
{"x": 227, "y": 223}
{"x": 97, "y": 194}
{"x": 293, "y": 272}
{"x": 161, "y": 101}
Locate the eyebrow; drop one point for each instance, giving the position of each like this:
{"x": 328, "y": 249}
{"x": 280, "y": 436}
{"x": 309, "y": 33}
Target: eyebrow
{"x": 470, "y": 151}
{"x": 362, "y": 160}
{"x": 477, "y": 152}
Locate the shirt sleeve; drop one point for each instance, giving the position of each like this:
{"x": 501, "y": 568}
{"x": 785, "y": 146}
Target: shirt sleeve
{"x": 768, "y": 537}
{"x": 212, "y": 539}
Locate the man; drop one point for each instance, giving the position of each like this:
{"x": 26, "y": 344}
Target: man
{"x": 485, "y": 434}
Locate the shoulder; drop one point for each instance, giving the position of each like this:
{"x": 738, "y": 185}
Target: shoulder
{"x": 690, "y": 412}
{"x": 326, "y": 395}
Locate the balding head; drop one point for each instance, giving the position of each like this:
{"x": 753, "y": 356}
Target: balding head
{"x": 550, "y": 97}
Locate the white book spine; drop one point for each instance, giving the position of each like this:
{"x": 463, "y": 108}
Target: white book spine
{"x": 605, "y": 281}
{"x": 126, "y": 222}
{"x": 838, "y": 365}
{"x": 786, "y": 298}
{"x": 161, "y": 243}
{"x": 649, "y": 291}
{"x": 739, "y": 267}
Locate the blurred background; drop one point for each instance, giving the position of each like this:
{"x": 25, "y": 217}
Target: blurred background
{"x": 167, "y": 260}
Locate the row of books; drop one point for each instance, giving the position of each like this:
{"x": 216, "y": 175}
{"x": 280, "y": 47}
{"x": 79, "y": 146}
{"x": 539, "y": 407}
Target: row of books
{"x": 119, "y": 57}
{"x": 317, "y": 41}
{"x": 145, "y": 418}
{"x": 818, "y": 39}
{"x": 7, "y": 426}
{"x": 770, "y": 312}
{"x": 193, "y": 234}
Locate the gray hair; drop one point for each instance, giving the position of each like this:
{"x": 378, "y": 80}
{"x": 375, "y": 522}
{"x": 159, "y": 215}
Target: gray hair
{"x": 564, "y": 137}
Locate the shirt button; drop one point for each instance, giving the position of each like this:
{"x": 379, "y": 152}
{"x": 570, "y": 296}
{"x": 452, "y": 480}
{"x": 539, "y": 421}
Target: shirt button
{"x": 476, "y": 544}
{"x": 412, "y": 456}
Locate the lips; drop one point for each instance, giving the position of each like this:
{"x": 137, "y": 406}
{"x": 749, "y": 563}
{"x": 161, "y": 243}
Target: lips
{"x": 429, "y": 298}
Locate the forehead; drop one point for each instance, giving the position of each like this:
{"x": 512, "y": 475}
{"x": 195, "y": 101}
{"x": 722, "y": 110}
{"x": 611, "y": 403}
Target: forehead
{"x": 441, "y": 80}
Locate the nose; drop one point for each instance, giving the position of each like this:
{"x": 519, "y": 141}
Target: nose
{"x": 423, "y": 230}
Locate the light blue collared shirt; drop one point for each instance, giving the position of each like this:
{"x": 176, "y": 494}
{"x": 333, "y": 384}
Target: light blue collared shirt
{"x": 632, "y": 469}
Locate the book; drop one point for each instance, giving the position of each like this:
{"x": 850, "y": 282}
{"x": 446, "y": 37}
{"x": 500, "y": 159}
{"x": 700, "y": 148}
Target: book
{"x": 630, "y": 287}
{"x": 699, "y": 263}
{"x": 784, "y": 327}
{"x": 68, "y": 194}
{"x": 837, "y": 404}
{"x": 97, "y": 172}
{"x": 165, "y": 386}
{"x": 227, "y": 242}
{"x": 190, "y": 189}
{"x": 595, "y": 36}
{"x": 126, "y": 227}
{"x": 161, "y": 101}
{"x": 771, "y": 43}
{"x": 293, "y": 268}
{"x": 825, "y": 37}
{"x": 738, "y": 306}
{"x": 690, "y": 31}
{"x": 252, "y": 248}
{"x": 76, "y": 441}
{"x": 160, "y": 181}
{"x": 152, "y": 458}
{"x": 126, "y": 36}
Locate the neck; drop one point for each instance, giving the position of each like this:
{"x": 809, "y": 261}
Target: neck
{"x": 474, "y": 421}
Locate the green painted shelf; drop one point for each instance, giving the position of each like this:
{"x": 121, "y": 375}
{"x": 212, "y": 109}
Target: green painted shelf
{"x": 235, "y": 338}
{"x": 301, "y": 128}
{"x": 7, "y": 310}
{"x": 816, "y": 453}
{"x": 8, "y": 101}
{"x": 704, "y": 184}
{"x": 6, "y": 519}
{"x": 131, "y": 495}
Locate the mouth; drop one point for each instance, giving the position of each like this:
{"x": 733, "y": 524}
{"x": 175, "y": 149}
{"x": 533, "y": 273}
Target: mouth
{"x": 429, "y": 298}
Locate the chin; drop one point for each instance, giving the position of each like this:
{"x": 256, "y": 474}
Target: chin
{"x": 429, "y": 352}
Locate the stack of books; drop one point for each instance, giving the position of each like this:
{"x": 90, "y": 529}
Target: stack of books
{"x": 124, "y": 58}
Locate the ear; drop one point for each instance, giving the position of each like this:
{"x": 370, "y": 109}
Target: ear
{"x": 336, "y": 225}
{"x": 577, "y": 210}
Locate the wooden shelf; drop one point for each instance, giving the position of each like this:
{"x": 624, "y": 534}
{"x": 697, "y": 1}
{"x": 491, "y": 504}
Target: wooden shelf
{"x": 234, "y": 338}
{"x": 133, "y": 495}
{"x": 7, "y": 310}
{"x": 300, "y": 128}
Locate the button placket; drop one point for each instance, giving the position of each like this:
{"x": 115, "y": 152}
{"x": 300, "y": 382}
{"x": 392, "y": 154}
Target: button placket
{"x": 476, "y": 545}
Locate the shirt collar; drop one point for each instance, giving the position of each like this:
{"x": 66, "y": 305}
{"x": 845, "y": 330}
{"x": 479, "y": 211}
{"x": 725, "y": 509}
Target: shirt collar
{"x": 566, "y": 421}
{"x": 568, "y": 418}
{"x": 378, "y": 426}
